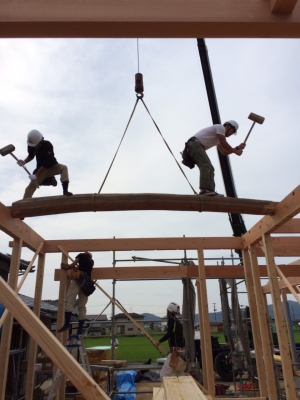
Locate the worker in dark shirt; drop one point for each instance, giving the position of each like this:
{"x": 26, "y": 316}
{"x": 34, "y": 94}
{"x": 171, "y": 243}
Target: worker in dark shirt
{"x": 175, "y": 337}
{"x": 85, "y": 264}
{"x": 46, "y": 164}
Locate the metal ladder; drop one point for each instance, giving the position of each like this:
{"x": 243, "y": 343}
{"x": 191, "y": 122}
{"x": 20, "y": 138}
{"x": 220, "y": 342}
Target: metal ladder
{"x": 74, "y": 341}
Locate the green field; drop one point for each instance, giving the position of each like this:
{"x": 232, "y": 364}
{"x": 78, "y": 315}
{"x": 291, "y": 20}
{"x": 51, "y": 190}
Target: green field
{"x": 136, "y": 348}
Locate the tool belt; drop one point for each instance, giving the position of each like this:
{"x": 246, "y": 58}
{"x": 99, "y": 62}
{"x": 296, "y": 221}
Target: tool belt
{"x": 186, "y": 158}
{"x": 73, "y": 274}
{"x": 86, "y": 284}
{"x": 177, "y": 362}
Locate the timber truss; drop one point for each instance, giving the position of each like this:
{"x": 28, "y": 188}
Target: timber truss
{"x": 257, "y": 242}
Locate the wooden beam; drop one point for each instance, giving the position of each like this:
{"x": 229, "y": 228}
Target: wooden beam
{"x": 286, "y": 362}
{"x": 134, "y": 244}
{"x": 291, "y": 226}
{"x": 144, "y": 19}
{"x": 39, "y": 206}
{"x": 178, "y": 272}
{"x": 17, "y": 229}
{"x": 51, "y": 346}
{"x": 293, "y": 281}
{"x": 282, "y": 6}
{"x": 284, "y": 211}
{"x": 8, "y": 324}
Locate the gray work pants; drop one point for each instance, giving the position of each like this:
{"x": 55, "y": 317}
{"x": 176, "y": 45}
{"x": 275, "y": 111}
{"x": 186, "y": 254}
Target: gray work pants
{"x": 58, "y": 169}
{"x": 207, "y": 171}
{"x": 74, "y": 291}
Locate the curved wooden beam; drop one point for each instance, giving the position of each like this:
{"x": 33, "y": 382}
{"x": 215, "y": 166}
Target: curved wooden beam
{"x": 129, "y": 202}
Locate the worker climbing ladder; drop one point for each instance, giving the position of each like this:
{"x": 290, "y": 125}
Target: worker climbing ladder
{"x": 74, "y": 341}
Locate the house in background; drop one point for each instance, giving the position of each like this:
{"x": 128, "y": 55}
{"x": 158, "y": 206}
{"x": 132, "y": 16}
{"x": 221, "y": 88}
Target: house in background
{"x": 97, "y": 324}
{"x": 123, "y": 325}
{"x": 217, "y": 326}
{"x": 5, "y": 266}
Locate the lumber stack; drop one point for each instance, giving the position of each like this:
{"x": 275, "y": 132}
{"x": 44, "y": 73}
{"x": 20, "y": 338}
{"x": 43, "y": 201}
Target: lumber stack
{"x": 138, "y": 201}
{"x": 179, "y": 388}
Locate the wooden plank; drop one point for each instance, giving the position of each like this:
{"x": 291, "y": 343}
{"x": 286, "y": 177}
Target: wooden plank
{"x": 158, "y": 393}
{"x": 284, "y": 211}
{"x": 32, "y": 349}
{"x": 181, "y": 388}
{"x": 178, "y": 272}
{"x": 263, "y": 327}
{"x": 286, "y": 362}
{"x": 51, "y": 346}
{"x": 134, "y": 244}
{"x": 17, "y": 229}
{"x": 206, "y": 350}
{"x": 8, "y": 324}
{"x": 291, "y": 226}
{"x": 282, "y": 6}
{"x": 261, "y": 371}
{"x": 20, "y": 284}
{"x": 157, "y": 18}
{"x": 39, "y": 206}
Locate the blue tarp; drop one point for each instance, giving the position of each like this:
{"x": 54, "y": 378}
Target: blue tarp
{"x": 125, "y": 383}
{"x": 2, "y": 309}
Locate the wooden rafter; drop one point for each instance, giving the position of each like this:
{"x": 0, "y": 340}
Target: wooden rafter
{"x": 139, "y": 201}
{"x": 155, "y": 18}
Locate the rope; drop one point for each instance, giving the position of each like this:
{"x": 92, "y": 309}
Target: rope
{"x": 138, "y": 98}
{"x": 169, "y": 148}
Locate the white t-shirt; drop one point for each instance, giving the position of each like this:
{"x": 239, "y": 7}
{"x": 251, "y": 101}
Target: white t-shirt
{"x": 116, "y": 342}
{"x": 208, "y": 137}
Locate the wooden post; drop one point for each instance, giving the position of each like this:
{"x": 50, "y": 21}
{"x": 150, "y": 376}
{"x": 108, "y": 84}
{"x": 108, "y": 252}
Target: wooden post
{"x": 286, "y": 361}
{"x": 8, "y": 324}
{"x": 32, "y": 344}
{"x": 201, "y": 330}
{"x": 255, "y": 324}
{"x": 207, "y": 359}
{"x": 264, "y": 327}
{"x": 51, "y": 346}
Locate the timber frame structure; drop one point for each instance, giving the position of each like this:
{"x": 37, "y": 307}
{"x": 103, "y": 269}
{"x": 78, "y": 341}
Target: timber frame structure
{"x": 160, "y": 19}
{"x": 258, "y": 241}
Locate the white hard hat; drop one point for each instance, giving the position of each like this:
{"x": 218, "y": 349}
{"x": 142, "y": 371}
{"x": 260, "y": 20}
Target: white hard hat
{"x": 234, "y": 124}
{"x": 173, "y": 308}
{"x": 34, "y": 137}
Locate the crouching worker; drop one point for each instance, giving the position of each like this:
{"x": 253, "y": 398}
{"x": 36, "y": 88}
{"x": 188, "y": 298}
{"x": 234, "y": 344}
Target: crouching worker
{"x": 46, "y": 165}
{"x": 174, "y": 364}
{"x": 82, "y": 286}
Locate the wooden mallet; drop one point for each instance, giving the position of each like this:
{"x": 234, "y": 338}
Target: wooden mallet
{"x": 255, "y": 118}
{"x": 9, "y": 150}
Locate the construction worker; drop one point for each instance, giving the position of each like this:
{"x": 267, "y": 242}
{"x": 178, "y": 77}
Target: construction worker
{"x": 85, "y": 264}
{"x": 175, "y": 337}
{"x": 46, "y": 164}
{"x": 203, "y": 140}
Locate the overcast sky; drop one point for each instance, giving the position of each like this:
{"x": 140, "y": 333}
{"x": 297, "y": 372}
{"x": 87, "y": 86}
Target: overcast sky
{"x": 80, "y": 93}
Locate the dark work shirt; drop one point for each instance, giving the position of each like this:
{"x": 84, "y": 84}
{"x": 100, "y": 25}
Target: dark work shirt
{"x": 44, "y": 154}
{"x": 85, "y": 263}
{"x": 174, "y": 333}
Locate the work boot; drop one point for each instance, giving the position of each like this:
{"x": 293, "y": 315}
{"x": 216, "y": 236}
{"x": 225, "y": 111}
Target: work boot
{"x": 80, "y": 327}
{"x": 65, "y": 186}
{"x": 67, "y": 324}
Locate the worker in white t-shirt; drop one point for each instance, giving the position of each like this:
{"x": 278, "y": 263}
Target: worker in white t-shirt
{"x": 116, "y": 342}
{"x": 203, "y": 140}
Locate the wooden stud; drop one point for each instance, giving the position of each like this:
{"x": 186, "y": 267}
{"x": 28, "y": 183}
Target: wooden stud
{"x": 288, "y": 326}
{"x": 30, "y": 371}
{"x": 51, "y": 346}
{"x": 8, "y": 324}
{"x": 254, "y": 323}
{"x": 286, "y": 362}
{"x": 264, "y": 328}
{"x": 207, "y": 368}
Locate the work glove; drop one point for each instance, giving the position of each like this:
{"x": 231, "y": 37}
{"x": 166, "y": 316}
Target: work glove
{"x": 21, "y": 163}
{"x": 32, "y": 177}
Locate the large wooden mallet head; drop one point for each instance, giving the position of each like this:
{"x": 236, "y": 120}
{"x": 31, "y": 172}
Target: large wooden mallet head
{"x": 9, "y": 150}
{"x": 255, "y": 118}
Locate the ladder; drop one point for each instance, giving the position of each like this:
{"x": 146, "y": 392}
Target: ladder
{"x": 74, "y": 341}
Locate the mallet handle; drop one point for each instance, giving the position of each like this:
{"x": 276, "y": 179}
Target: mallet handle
{"x": 249, "y": 132}
{"x": 22, "y": 165}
